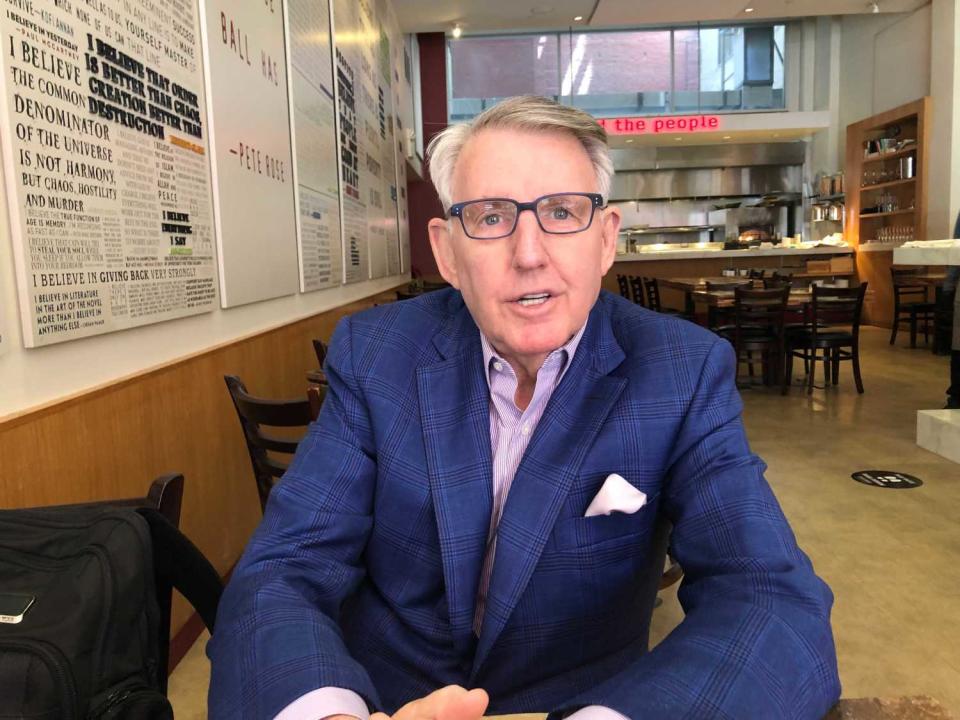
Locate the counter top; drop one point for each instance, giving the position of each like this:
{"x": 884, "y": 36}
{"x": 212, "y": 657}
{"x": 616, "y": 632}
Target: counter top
{"x": 927, "y": 255}
{"x": 700, "y": 254}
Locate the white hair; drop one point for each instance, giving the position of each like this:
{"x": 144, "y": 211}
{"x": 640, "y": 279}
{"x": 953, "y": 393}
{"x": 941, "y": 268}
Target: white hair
{"x": 525, "y": 112}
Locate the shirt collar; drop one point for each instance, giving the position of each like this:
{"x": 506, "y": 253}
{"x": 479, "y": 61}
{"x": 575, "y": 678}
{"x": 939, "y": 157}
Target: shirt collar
{"x": 566, "y": 352}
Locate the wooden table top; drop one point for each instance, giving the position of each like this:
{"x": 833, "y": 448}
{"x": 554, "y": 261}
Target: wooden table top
{"x": 932, "y": 280}
{"x": 689, "y": 284}
{"x": 724, "y": 298}
{"x": 919, "y": 707}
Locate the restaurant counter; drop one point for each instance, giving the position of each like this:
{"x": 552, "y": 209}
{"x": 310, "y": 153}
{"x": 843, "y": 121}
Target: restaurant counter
{"x": 831, "y": 262}
{"x": 698, "y": 253}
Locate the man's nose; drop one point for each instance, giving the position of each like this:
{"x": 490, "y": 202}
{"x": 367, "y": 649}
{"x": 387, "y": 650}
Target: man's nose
{"x": 529, "y": 250}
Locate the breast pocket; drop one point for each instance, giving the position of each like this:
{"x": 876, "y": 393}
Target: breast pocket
{"x": 582, "y": 532}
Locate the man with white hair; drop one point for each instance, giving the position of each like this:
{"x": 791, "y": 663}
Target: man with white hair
{"x": 485, "y": 499}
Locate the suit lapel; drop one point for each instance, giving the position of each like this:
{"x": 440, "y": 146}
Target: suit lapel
{"x": 567, "y": 430}
{"x": 455, "y": 414}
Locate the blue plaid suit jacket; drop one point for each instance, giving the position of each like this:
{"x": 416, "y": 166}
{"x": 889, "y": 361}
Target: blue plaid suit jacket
{"x": 364, "y": 571}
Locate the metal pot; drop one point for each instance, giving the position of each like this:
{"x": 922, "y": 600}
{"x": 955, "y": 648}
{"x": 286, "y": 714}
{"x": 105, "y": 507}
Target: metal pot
{"x": 818, "y": 213}
{"x": 835, "y": 211}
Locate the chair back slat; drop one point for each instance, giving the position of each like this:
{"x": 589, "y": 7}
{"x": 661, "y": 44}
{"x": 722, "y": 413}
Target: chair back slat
{"x": 653, "y": 293}
{"x": 636, "y": 290}
{"x": 278, "y": 413}
{"x": 622, "y": 286}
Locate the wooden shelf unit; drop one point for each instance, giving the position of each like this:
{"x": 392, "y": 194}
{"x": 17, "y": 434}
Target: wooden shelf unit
{"x": 892, "y": 183}
{"x": 909, "y": 121}
{"x": 906, "y": 211}
{"x": 877, "y": 157}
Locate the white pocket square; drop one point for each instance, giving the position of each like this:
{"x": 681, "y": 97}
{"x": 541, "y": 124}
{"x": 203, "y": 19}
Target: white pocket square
{"x": 616, "y": 495}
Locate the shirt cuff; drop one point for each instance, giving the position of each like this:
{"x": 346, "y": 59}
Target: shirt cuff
{"x": 325, "y": 702}
{"x": 596, "y": 712}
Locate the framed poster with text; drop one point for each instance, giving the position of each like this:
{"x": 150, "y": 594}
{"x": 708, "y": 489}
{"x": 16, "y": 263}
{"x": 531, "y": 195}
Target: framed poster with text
{"x": 315, "y": 143}
{"x": 105, "y": 160}
{"x": 251, "y": 153}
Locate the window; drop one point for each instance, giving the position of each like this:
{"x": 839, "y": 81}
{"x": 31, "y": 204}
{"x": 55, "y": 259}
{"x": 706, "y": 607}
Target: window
{"x": 485, "y": 69}
{"x": 617, "y": 72}
{"x": 758, "y": 56}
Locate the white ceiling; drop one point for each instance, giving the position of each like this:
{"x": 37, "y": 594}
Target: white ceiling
{"x": 477, "y": 16}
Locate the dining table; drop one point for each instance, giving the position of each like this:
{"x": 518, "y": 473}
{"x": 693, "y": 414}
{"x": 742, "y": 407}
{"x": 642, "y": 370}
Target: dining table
{"x": 798, "y": 298}
{"x": 914, "y": 707}
{"x": 689, "y": 285}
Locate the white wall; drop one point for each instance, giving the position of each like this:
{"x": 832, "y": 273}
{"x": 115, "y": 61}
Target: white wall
{"x": 884, "y": 62}
{"x": 824, "y": 93}
{"x": 943, "y": 193}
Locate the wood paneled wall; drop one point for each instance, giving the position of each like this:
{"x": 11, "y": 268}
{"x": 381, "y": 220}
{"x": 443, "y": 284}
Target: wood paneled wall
{"x": 112, "y": 442}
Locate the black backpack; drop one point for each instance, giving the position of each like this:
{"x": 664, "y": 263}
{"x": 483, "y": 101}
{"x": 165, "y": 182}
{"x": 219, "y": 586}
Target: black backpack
{"x": 88, "y": 646}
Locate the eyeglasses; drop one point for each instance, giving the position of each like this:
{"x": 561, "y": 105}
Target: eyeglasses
{"x": 557, "y": 214}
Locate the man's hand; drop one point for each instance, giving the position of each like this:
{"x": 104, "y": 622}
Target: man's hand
{"x": 449, "y": 703}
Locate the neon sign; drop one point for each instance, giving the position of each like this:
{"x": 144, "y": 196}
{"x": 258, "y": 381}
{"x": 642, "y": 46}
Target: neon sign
{"x": 660, "y": 124}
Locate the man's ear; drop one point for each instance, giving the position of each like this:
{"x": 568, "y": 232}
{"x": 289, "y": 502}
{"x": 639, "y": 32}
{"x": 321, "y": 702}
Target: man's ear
{"x": 609, "y": 230}
{"x": 441, "y": 241}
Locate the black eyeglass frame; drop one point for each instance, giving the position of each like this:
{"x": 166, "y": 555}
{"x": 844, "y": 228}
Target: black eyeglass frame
{"x": 596, "y": 201}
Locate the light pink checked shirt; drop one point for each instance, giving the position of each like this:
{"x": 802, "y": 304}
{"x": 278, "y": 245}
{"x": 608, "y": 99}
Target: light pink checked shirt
{"x": 510, "y": 432}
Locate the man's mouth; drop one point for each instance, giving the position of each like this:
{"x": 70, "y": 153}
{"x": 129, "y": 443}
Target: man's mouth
{"x": 533, "y": 299}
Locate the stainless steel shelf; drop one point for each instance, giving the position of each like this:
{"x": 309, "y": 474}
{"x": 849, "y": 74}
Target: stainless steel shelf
{"x": 670, "y": 229}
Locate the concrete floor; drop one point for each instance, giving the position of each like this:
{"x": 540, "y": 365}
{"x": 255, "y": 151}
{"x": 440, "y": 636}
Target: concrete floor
{"x": 891, "y": 557}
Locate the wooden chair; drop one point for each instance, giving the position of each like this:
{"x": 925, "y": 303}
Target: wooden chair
{"x": 255, "y": 412}
{"x": 943, "y": 320}
{"x": 832, "y": 334}
{"x": 623, "y": 286}
{"x": 176, "y": 560}
{"x": 758, "y": 328}
{"x": 720, "y": 319}
{"x": 315, "y": 396}
{"x": 320, "y": 348}
{"x": 652, "y": 287}
{"x": 910, "y": 305}
{"x": 636, "y": 290}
